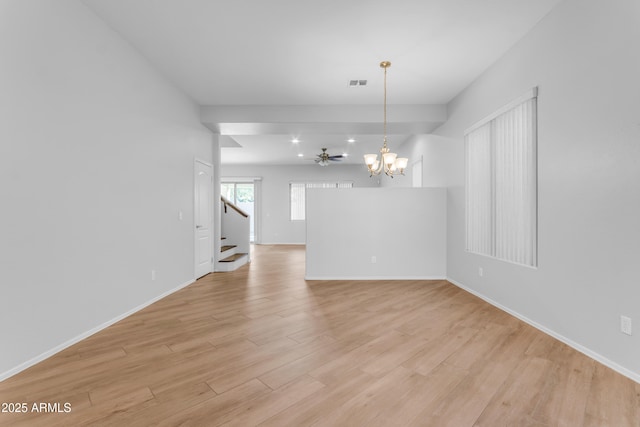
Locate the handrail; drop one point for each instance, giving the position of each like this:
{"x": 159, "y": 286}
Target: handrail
{"x": 228, "y": 202}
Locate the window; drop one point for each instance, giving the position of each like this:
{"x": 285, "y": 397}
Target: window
{"x": 501, "y": 183}
{"x": 241, "y": 194}
{"x": 298, "y": 191}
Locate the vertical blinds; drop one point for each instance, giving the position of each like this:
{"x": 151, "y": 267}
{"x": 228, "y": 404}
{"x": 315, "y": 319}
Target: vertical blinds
{"x": 501, "y": 184}
{"x": 297, "y": 200}
{"x": 479, "y": 191}
{"x": 297, "y": 193}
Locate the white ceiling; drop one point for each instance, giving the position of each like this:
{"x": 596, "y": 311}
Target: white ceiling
{"x": 304, "y": 52}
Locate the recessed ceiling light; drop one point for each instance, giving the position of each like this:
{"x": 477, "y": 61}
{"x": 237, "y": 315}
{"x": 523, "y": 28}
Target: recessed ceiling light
{"x": 345, "y": 154}
{"x": 295, "y": 140}
{"x": 300, "y": 154}
{"x": 351, "y": 140}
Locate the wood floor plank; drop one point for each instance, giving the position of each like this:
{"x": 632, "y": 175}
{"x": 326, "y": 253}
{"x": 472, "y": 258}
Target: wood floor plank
{"x": 564, "y": 396}
{"x": 395, "y": 356}
{"x": 305, "y": 364}
{"x": 613, "y": 400}
{"x": 469, "y": 398}
{"x": 439, "y": 349}
{"x": 480, "y": 347}
{"x": 419, "y": 403}
{"x": 262, "y": 346}
{"x": 517, "y": 399}
{"x": 320, "y": 404}
{"x": 337, "y": 368}
{"x": 365, "y": 405}
{"x": 165, "y": 405}
{"x": 278, "y": 400}
{"x": 220, "y": 409}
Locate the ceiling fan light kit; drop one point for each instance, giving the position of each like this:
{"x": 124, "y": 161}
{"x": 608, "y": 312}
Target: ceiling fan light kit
{"x": 389, "y": 163}
{"x": 324, "y": 158}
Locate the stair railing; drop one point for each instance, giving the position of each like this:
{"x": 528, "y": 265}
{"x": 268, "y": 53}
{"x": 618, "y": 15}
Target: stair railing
{"x": 226, "y": 202}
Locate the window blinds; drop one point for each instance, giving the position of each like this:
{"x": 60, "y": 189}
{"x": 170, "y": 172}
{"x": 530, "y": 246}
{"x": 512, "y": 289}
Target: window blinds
{"x": 479, "y": 191}
{"x": 297, "y": 200}
{"x": 297, "y": 195}
{"x": 501, "y": 184}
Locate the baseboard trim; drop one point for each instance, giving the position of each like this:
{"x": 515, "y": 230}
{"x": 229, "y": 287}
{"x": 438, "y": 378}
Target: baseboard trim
{"x": 13, "y": 371}
{"x": 281, "y": 243}
{"x": 374, "y": 277}
{"x": 582, "y": 349}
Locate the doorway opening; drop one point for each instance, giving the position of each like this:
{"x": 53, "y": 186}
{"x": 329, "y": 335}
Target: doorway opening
{"x": 243, "y": 195}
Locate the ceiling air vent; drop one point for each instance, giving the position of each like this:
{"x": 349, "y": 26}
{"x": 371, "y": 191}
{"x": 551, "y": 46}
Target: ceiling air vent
{"x": 356, "y": 83}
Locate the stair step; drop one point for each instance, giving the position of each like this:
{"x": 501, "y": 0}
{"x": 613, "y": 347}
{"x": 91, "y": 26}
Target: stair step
{"x": 227, "y": 247}
{"x": 232, "y": 257}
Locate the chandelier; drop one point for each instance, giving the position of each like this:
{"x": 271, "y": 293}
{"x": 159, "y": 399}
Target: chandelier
{"x": 390, "y": 163}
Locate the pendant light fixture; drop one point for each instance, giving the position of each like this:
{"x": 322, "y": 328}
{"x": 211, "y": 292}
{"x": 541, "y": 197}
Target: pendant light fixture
{"x": 390, "y": 163}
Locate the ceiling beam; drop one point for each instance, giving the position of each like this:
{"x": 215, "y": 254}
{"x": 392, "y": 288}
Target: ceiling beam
{"x": 323, "y": 119}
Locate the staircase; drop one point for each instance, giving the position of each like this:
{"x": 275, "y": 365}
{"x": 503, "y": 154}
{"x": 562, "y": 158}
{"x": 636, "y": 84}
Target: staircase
{"x": 234, "y": 248}
{"x": 230, "y": 258}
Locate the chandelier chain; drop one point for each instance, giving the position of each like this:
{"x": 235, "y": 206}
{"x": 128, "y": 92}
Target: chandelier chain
{"x": 385, "y": 105}
{"x": 389, "y": 163}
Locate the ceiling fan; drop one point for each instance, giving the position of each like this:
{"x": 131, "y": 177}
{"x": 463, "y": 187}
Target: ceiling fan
{"x": 324, "y": 158}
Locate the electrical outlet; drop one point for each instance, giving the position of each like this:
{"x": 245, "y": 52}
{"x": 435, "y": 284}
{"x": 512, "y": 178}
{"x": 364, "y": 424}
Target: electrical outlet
{"x": 480, "y": 272}
{"x": 153, "y": 275}
{"x": 625, "y": 325}
{"x": 374, "y": 259}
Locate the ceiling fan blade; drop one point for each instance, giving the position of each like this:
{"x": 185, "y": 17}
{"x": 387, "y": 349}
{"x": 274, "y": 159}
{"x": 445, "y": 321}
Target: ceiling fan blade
{"x": 338, "y": 156}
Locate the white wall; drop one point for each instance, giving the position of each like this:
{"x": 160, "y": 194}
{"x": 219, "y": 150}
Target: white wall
{"x": 277, "y": 228}
{"x": 403, "y": 228}
{"x": 439, "y": 162}
{"x": 584, "y": 58}
{"x": 96, "y": 161}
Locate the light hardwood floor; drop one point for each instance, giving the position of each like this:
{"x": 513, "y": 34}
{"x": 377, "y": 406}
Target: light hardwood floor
{"x": 260, "y": 346}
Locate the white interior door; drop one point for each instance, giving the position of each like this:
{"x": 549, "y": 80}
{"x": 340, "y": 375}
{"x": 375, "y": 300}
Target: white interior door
{"x": 203, "y": 218}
